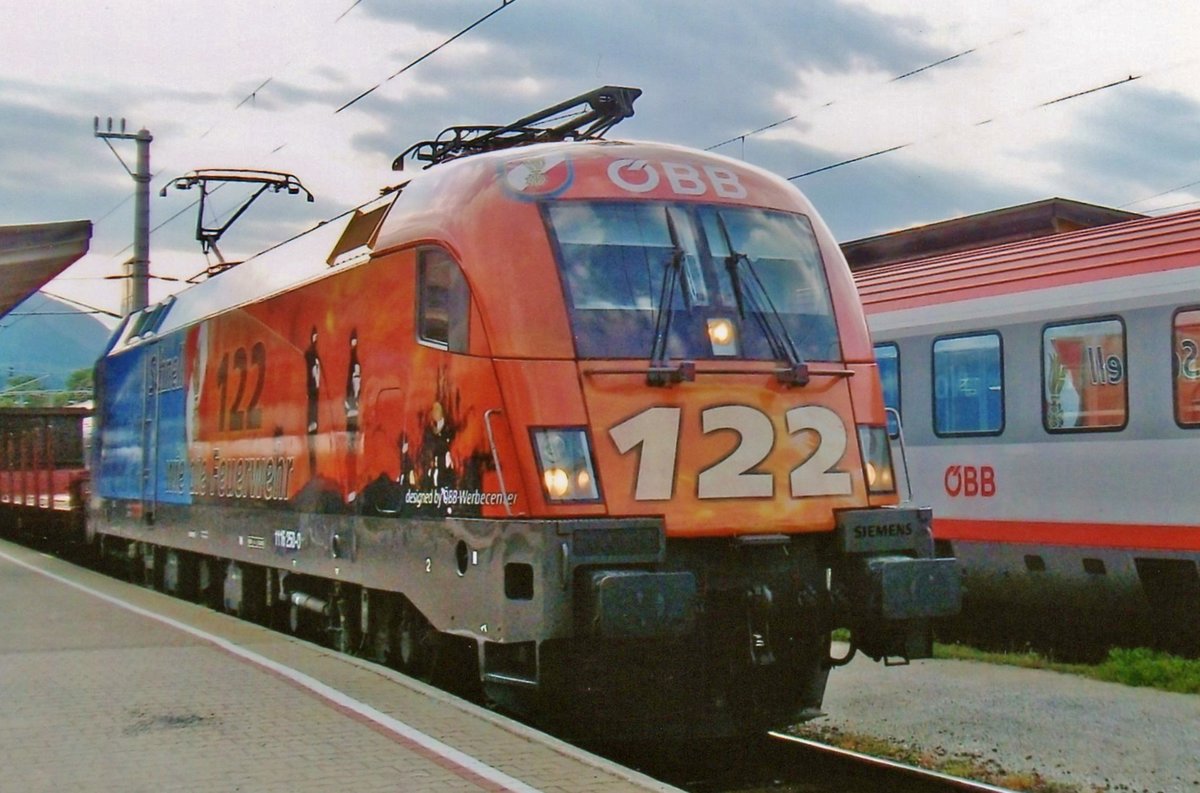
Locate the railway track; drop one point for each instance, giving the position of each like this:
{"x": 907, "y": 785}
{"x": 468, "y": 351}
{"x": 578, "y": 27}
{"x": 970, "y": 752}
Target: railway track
{"x": 781, "y": 763}
{"x": 898, "y": 776}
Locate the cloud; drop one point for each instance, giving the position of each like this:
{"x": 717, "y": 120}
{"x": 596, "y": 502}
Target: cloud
{"x": 51, "y": 166}
{"x": 1132, "y": 147}
{"x": 710, "y": 71}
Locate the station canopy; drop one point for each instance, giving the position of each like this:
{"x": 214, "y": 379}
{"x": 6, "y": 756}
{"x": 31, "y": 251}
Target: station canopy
{"x": 32, "y": 255}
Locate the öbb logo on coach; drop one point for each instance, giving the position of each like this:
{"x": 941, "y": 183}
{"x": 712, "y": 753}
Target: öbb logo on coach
{"x": 970, "y": 481}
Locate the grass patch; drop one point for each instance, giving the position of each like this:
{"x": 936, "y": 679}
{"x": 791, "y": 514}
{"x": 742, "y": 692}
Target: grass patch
{"x": 960, "y": 764}
{"x": 1137, "y": 667}
{"x": 1151, "y": 668}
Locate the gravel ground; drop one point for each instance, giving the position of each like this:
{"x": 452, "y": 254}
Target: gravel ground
{"x": 1081, "y": 732}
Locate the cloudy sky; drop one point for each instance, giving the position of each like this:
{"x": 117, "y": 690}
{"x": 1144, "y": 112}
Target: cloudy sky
{"x": 255, "y": 85}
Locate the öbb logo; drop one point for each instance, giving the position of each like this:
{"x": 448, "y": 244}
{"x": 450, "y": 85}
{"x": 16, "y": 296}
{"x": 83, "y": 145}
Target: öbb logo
{"x": 970, "y": 481}
{"x": 641, "y": 176}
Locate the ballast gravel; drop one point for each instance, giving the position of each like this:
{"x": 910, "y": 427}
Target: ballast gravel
{"x": 1084, "y": 733}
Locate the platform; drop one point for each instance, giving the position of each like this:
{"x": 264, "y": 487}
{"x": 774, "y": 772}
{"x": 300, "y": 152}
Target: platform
{"x": 105, "y": 686}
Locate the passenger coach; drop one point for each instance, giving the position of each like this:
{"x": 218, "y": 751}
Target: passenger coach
{"x": 1050, "y": 394}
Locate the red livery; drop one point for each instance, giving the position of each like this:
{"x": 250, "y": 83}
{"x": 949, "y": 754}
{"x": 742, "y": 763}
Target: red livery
{"x": 594, "y": 427}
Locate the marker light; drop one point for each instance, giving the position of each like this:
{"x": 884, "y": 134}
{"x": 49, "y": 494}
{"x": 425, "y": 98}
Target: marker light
{"x": 877, "y": 459}
{"x": 722, "y": 336}
{"x": 565, "y": 459}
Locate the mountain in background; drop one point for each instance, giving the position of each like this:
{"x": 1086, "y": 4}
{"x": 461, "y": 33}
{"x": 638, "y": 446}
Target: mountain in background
{"x": 47, "y": 338}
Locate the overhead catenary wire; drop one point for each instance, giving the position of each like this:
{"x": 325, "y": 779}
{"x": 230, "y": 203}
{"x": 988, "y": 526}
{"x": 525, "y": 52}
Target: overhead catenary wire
{"x": 943, "y": 61}
{"x": 247, "y": 99}
{"x": 160, "y": 225}
{"x": 1078, "y": 94}
{"x": 16, "y": 317}
{"x": 958, "y": 56}
{"x": 1162, "y": 193}
{"x": 118, "y": 205}
{"x": 850, "y": 161}
{"x": 832, "y": 102}
{"x": 993, "y": 119}
{"x": 252, "y": 95}
{"x": 1171, "y": 208}
{"x": 503, "y": 5}
{"x": 91, "y": 309}
{"x": 905, "y": 75}
{"x": 888, "y": 81}
{"x": 347, "y": 11}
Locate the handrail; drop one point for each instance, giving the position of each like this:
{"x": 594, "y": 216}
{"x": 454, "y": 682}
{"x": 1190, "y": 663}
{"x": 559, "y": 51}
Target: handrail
{"x": 487, "y": 426}
{"x": 903, "y": 450}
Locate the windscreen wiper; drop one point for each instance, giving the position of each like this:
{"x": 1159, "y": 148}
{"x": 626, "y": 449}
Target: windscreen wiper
{"x": 752, "y": 296}
{"x": 674, "y": 279}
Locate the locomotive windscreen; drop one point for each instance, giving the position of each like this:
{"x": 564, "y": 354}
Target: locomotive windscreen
{"x": 731, "y": 278}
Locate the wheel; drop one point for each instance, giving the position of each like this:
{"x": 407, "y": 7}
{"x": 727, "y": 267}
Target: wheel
{"x": 414, "y": 642}
{"x": 210, "y": 582}
{"x": 180, "y": 574}
{"x": 381, "y": 624}
{"x": 344, "y": 623}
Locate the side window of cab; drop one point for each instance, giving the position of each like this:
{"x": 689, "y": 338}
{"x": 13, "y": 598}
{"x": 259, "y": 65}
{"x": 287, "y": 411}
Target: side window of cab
{"x": 443, "y": 301}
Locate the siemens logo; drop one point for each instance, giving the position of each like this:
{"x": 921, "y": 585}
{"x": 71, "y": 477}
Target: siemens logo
{"x": 886, "y": 530}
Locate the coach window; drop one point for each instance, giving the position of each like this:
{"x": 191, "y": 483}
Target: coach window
{"x": 968, "y": 385}
{"x": 444, "y": 310}
{"x": 888, "y": 357}
{"x": 1083, "y": 376}
{"x": 1187, "y": 367}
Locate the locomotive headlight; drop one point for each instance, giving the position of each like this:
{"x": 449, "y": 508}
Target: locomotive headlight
{"x": 722, "y": 336}
{"x": 564, "y": 456}
{"x": 877, "y": 459}
{"x": 557, "y": 482}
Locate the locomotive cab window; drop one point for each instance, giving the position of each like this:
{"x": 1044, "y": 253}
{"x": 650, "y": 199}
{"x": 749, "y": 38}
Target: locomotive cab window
{"x": 887, "y": 355}
{"x": 717, "y": 281}
{"x": 1186, "y": 341}
{"x": 968, "y": 385}
{"x": 444, "y": 310}
{"x": 1084, "y": 387}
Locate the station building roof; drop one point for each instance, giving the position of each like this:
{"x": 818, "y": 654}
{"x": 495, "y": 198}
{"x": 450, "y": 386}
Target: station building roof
{"x": 1137, "y": 259}
{"x": 986, "y": 229}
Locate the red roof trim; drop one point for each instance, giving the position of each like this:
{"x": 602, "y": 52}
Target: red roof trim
{"x": 1133, "y": 248}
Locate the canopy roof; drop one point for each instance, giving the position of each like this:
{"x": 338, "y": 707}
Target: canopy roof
{"x": 32, "y": 255}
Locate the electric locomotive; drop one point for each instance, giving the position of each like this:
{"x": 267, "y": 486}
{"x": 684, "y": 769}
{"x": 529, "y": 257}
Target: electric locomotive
{"x": 595, "y": 424}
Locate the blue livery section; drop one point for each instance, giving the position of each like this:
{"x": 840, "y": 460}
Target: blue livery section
{"x": 143, "y": 453}
{"x": 172, "y": 473}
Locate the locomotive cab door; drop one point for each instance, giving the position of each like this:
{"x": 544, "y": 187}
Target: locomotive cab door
{"x": 149, "y": 434}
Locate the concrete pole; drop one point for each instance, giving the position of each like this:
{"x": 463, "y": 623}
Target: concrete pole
{"x": 137, "y": 269}
{"x": 137, "y": 295}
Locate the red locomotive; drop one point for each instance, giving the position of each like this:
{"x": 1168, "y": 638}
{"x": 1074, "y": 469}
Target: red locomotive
{"x": 594, "y": 425}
